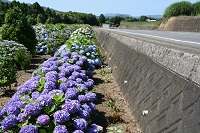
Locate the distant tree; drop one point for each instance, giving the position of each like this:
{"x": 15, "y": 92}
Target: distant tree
{"x": 102, "y": 19}
{"x": 115, "y": 21}
{"x": 40, "y": 19}
{"x": 17, "y": 28}
{"x": 143, "y": 18}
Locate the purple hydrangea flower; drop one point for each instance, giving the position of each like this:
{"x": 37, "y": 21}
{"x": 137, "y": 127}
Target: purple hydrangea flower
{"x": 72, "y": 77}
{"x": 83, "y": 76}
{"x": 79, "y": 63}
{"x": 45, "y": 70}
{"x": 79, "y": 80}
{"x": 86, "y": 107}
{"x": 89, "y": 84}
{"x": 72, "y": 106}
{"x": 43, "y": 120}
{"x": 80, "y": 124}
{"x": 83, "y": 87}
{"x": 90, "y": 97}
{"x": 22, "y": 117}
{"x": 76, "y": 68}
{"x": 92, "y": 106}
{"x": 95, "y": 128}
{"x": 81, "y": 98}
{"x": 63, "y": 86}
{"x": 35, "y": 95}
{"x": 9, "y": 122}
{"x": 61, "y": 116}
{"x": 52, "y": 59}
{"x": 45, "y": 91}
{"x": 71, "y": 93}
{"x": 84, "y": 114}
{"x": 29, "y": 129}
{"x": 49, "y": 85}
{"x": 45, "y": 100}
{"x": 77, "y": 131}
{"x": 32, "y": 109}
{"x": 12, "y": 109}
{"x": 83, "y": 59}
{"x": 60, "y": 129}
{"x": 15, "y": 97}
{"x": 2, "y": 112}
{"x": 55, "y": 92}
{"x": 56, "y": 55}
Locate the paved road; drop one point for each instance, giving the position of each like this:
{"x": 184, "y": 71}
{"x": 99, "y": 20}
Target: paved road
{"x": 180, "y": 38}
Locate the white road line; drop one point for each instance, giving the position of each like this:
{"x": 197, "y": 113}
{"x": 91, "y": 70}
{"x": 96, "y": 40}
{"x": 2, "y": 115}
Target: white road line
{"x": 161, "y": 37}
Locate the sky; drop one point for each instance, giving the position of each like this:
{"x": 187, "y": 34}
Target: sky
{"x": 97, "y": 7}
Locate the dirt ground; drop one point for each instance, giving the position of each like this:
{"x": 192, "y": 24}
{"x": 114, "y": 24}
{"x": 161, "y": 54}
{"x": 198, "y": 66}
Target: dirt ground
{"x": 112, "y": 110}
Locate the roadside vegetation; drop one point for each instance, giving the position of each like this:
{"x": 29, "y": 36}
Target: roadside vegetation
{"x": 183, "y": 8}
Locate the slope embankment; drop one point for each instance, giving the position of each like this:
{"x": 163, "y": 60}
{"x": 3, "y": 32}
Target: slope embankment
{"x": 182, "y": 23}
{"x": 161, "y": 84}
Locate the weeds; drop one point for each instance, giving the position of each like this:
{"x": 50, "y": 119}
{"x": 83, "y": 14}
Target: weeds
{"x": 114, "y": 129}
{"x": 111, "y": 103}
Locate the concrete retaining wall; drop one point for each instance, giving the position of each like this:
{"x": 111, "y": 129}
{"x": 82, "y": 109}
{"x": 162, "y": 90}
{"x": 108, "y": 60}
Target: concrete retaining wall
{"x": 182, "y": 23}
{"x": 138, "y": 27}
{"x": 148, "y": 74}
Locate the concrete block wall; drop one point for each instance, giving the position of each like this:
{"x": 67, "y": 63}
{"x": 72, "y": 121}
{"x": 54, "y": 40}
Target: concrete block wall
{"x": 172, "y": 101}
{"x": 182, "y": 23}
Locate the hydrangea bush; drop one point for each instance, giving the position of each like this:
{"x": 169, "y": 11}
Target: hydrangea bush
{"x": 12, "y": 56}
{"x": 50, "y": 37}
{"x": 57, "y": 98}
{"x": 81, "y": 41}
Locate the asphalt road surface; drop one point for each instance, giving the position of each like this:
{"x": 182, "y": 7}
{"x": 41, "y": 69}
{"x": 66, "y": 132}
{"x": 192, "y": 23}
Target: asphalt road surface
{"x": 180, "y": 38}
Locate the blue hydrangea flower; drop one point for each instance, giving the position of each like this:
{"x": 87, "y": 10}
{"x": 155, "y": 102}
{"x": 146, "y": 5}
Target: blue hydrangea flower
{"x": 84, "y": 114}
{"x": 29, "y": 129}
{"x": 32, "y": 109}
{"x": 61, "y": 116}
{"x": 82, "y": 52}
{"x": 60, "y": 129}
{"x": 90, "y": 97}
{"x": 9, "y": 122}
{"x": 72, "y": 106}
{"x": 22, "y": 117}
{"x": 43, "y": 120}
{"x": 45, "y": 100}
{"x": 71, "y": 93}
{"x": 80, "y": 124}
{"x": 76, "y": 74}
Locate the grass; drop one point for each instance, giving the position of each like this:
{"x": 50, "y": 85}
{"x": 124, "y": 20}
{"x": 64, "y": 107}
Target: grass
{"x": 156, "y": 23}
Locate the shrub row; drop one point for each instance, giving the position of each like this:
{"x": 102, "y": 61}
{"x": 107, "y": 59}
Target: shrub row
{"x": 57, "y": 98}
